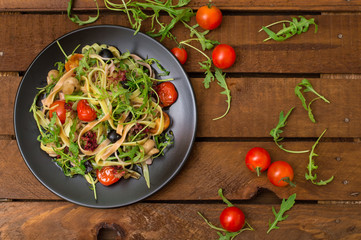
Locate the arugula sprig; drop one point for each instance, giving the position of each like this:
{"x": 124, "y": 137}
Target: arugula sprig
{"x": 222, "y": 233}
{"x": 295, "y": 27}
{"x": 306, "y": 86}
{"x": 76, "y": 19}
{"x": 285, "y": 206}
{"x": 275, "y": 132}
{"x": 218, "y": 74}
{"x": 311, "y": 165}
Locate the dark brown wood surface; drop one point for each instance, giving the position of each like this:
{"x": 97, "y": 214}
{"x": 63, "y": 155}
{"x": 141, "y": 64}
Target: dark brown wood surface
{"x": 324, "y": 52}
{"x": 262, "y": 83}
{"x": 171, "y": 221}
{"x": 245, "y": 5}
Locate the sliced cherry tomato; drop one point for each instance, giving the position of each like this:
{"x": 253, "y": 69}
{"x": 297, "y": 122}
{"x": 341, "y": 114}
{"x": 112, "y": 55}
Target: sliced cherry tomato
{"x": 258, "y": 160}
{"x": 73, "y": 61}
{"x": 209, "y": 17}
{"x": 180, "y": 53}
{"x": 85, "y": 112}
{"x": 167, "y": 94}
{"x": 232, "y": 219}
{"x": 223, "y": 56}
{"x": 109, "y": 175}
{"x": 157, "y": 123}
{"x": 59, "y": 108}
{"x": 280, "y": 173}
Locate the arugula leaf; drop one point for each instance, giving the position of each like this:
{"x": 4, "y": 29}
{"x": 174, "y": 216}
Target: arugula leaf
{"x": 205, "y": 43}
{"x": 221, "y": 80}
{"x": 275, "y": 132}
{"x": 295, "y": 27}
{"x": 285, "y": 206}
{"x": 308, "y": 88}
{"x": 162, "y": 141}
{"x": 311, "y": 165}
{"x": 206, "y": 65}
{"x": 222, "y": 233}
{"x": 76, "y": 19}
{"x": 52, "y": 133}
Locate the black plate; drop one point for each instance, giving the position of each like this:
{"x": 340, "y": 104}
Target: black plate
{"x": 183, "y": 114}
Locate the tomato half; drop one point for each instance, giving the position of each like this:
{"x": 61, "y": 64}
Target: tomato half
{"x": 257, "y": 160}
{"x": 209, "y": 17}
{"x": 167, "y": 93}
{"x": 59, "y": 108}
{"x": 180, "y": 53}
{"x": 280, "y": 173}
{"x": 85, "y": 112}
{"x": 109, "y": 175}
{"x": 232, "y": 219}
{"x": 223, "y": 56}
{"x": 73, "y": 61}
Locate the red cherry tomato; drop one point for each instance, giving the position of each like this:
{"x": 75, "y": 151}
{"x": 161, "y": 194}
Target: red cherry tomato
{"x": 59, "y": 108}
{"x": 209, "y": 17}
{"x": 180, "y": 53}
{"x": 109, "y": 175}
{"x": 257, "y": 160}
{"x": 280, "y": 173}
{"x": 73, "y": 61}
{"x": 223, "y": 56}
{"x": 167, "y": 94}
{"x": 85, "y": 112}
{"x": 232, "y": 219}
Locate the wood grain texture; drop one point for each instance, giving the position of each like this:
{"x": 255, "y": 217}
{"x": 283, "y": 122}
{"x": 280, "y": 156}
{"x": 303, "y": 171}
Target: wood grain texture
{"x": 323, "y": 52}
{"x": 256, "y": 104}
{"x": 214, "y": 165}
{"x": 52, "y": 220}
{"x": 248, "y": 5}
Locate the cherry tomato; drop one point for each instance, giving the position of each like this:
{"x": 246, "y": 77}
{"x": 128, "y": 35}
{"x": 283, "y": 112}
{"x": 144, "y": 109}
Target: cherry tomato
{"x": 223, "y": 56}
{"x": 180, "y": 53}
{"x": 85, "y": 112}
{"x": 280, "y": 173}
{"x": 167, "y": 94}
{"x": 209, "y": 17}
{"x": 59, "y": 108}
{"x": 258, "y": 160}
{"x": 73, "y": 61}
{"x": 109, "y": 175}
{"x": 232, "y": 219}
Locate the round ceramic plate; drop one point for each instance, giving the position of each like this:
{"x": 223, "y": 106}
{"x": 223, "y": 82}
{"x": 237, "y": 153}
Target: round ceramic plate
{"x": 183, "y": 114}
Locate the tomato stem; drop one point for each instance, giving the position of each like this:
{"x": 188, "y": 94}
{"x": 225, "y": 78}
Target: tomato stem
{"x": 225, "y": 200}
{"x": 258, "y": 170}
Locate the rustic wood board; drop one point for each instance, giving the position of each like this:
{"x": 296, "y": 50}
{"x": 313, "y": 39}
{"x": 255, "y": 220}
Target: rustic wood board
{"x": 29, "y": 220}
{"x": 214, "y": 165}
{"x": 248, "y": 5}
{"x": 323, "y": 52}
{"x": 256, "y": 104}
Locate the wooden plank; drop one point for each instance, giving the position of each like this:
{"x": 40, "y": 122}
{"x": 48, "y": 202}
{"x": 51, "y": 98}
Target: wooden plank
{"x": 256, "y": 104}
{"x": 248, "y": 5}
{"x": 323, "y": 52}
{"x": 214, "y": 165}
{"x": 172, "y": 221}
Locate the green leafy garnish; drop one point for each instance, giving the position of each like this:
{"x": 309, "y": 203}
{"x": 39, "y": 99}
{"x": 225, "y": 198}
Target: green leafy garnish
{"x": 275, "y": 132}
{"x": 221, "y": 80}
{"x": 76, "y": 19}
{"x": 295, "y": 27}
{"x": 285, "y": 206}
{"x": 308, "y": 88}
{"x": 311, "y": 165}
{"x": 222, "y": 233}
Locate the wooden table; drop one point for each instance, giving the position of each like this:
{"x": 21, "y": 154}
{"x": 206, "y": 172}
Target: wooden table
{"x": 262, "y": 84}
